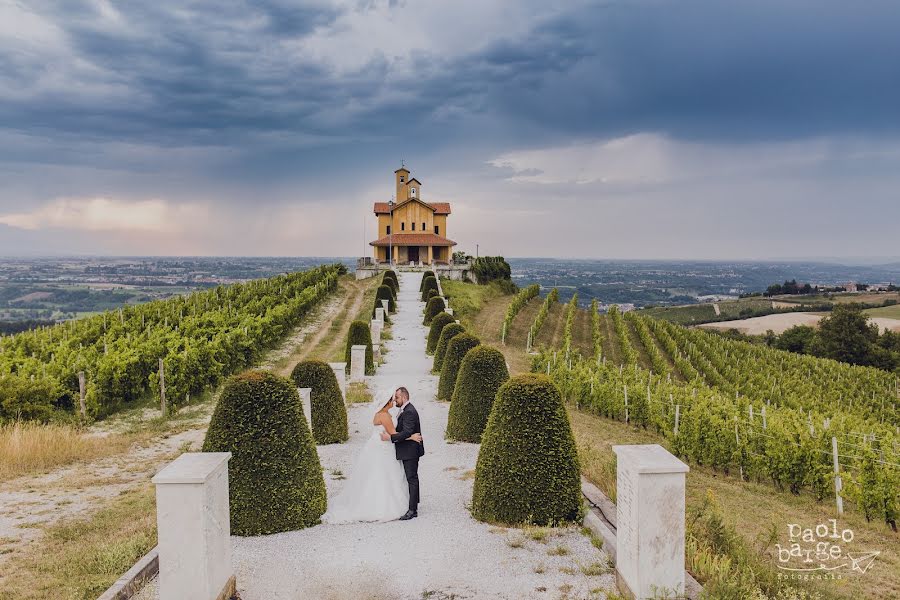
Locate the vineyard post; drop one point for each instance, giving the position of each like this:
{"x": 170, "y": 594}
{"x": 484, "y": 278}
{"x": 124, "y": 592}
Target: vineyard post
{"x": 162, "y": 388}
{"x": 765, "y": 426}
{"x": 626, "y": 403}
{"x": 81, "y": 387}
{"x": 677, "y": 415}
{"x": 837, "y": 476}
{"x": 737, "y": 441}
{"x": 503, "y": 334}
{"x": 548, "y": 367}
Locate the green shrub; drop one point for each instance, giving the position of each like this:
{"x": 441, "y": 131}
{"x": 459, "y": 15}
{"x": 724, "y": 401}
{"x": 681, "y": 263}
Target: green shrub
{"x": 425, "y": 276}
{"x": 491, "y": 268}
{"x": 274, "y": 476}
{"x": 456, "y": 351}
{"x": 481, "y": 374}
{"x": 430, "y": 283}
{"x": 360, "y": 335}
{"x": 384, "y": 293}
{"x": 434, "y": 333}
{"x": 390, "y": 278}
{"x": 527, "y": 470}
{"x": 435, "y": 305}
{"x": 329, "y": 416}
{"x": 431, "y": 293}
{"x": 447, "y": 333}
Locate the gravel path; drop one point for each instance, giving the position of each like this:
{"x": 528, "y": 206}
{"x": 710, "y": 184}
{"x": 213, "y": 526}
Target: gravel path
{"x": 442, "y": 554}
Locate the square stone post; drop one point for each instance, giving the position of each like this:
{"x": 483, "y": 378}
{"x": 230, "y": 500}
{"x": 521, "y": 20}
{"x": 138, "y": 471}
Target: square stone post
{"x": 306, "y": 400}
{"x": 357, "y": 363}
{"x": 340, "y": 372}
{"x": 375, "y": 326}
{"x": 449, "y": 311}
{"x": 649, "y": 521}
{"x": 386, "y": 304}
{"x": 376, "y": 352}
{"x": 379, "y": 315}
{"x": 194, "y": 528}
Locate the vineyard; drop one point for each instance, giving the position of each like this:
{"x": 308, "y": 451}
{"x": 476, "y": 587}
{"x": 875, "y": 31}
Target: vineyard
{"x": 90, "y": 368}
{"x": 799, "y": 422}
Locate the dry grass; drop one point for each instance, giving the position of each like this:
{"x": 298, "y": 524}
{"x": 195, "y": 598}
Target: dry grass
{"x": 80, "y": 558}
{"x": 27, "y": 448}
{"x": 358, "y": 393}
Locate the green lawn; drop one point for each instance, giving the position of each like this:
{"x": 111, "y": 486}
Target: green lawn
{"x": 889, "y": 312}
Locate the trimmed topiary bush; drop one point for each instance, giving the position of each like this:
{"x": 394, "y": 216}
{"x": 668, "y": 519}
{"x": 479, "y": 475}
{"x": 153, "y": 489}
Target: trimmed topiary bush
{"x": 390, "y": 278}
{"x": 430, "y": 283}
{"x": 384, "y": 293}
{"x": 425, "y": 276}
{"x": 375, "y": 306}
{"x": 360, "y": 334}
{"x": 434, "y": 333}
{"x": 447, "y": 333}
{"x": 329, "y": 416}
{"x": 435, "y": 305}
{"x": 431, "y": 293}
{"x": 274, "y": 476}
{"x": 456, "y": 351}
{"x": 527, "y": 470}
{"x": 481, "y": 374}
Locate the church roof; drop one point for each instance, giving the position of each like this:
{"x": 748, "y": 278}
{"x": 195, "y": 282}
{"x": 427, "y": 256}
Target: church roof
{"x": 404, "y": 169}
{"x": 414, "y": 179}
{"x": 439, "y": 208}
{"x": 413, "y": 239}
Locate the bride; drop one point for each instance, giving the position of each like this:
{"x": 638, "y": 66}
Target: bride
{"x": 376, "y": 489}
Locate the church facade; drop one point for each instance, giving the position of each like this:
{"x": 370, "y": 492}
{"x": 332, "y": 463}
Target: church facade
{"x": 409, "y": 229}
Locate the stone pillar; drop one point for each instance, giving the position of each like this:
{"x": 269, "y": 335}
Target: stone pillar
{"x": 357, "y": 363}
{"x": 376, "y": 352}
{"x": 649, "y": 521}
{"x": 379, "y": 315}
{"x": 386, "y": 304}
{"x": 306, "y": 400}
{"x": 340, "y": 372}
{"x": 449, "y": 311}
{"x": 375, "y": 326}
{"x": 194, "y": 528}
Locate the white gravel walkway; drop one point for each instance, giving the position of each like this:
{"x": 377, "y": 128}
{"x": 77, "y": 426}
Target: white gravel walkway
{"x": 442, "y": 554}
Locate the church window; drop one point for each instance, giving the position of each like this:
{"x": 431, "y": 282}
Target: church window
{"x": 402, "y": 179}
{"x": 423, "y": 226}
{"x": 414, "y": 226}
{"x": 412, "y": 191}
{"x": 389, "y": 230}
{"x": 402, "y": 226}
{"x": 437, "y": 230}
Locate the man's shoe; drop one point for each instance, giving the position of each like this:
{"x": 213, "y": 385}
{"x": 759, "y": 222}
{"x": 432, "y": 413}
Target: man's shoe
{"x": 410, "y": 514}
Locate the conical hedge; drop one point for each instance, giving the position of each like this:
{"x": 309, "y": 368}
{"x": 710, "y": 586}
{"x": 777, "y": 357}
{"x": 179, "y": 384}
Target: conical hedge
{"x": 360, "y": 335}
{"x": 425, "y": 276}
{"x": 481, "y": 374}
{"x": 435, "y": 305}
{"x": 384, "y": 293}
{"x": 431, "y": 293}
{"x": 274, "y": 477}
{"x": 390, "y": 278}
{"x": 447, "y": 333}
{"x": 430, "y": 283}
{"x": 527, "y": 470}
{"x": 329, "y": 416}
{"x": 434, "y": 333}
{"x": 456, "y": 351}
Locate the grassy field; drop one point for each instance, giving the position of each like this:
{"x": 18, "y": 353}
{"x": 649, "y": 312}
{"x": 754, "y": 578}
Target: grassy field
{"x": 755, "y": 514}
{"x": 889, "y": 312}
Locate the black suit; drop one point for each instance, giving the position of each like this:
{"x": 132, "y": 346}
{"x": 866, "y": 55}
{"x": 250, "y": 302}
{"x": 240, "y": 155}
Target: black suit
{"x": 409, "y": 451}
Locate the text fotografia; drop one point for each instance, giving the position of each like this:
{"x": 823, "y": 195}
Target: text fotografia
{"x": 821, "y": 552}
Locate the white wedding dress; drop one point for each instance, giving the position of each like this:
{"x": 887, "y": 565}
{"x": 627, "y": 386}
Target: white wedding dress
{"x": 376, "y": 489}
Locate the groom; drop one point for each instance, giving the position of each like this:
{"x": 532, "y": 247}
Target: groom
{"x": 408, "y": 445}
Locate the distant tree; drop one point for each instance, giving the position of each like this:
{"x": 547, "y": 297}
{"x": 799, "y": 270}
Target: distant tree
{"x": 796, "y": 339}
{"x": 847, "y": 336}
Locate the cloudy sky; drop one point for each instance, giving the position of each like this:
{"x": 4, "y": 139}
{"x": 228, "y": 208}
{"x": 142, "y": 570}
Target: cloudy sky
{"x": 619, "y": 129}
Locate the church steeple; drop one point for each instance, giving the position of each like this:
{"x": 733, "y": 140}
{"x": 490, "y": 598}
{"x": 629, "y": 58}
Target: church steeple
{"x": 402, "y": 179}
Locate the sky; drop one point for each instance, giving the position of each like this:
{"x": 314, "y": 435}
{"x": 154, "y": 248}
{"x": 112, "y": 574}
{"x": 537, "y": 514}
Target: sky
{"x": 748, "y": 129}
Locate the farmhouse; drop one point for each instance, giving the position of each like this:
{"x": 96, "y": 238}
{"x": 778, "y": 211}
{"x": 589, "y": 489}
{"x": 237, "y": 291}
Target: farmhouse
{"x": 409, "y": 229}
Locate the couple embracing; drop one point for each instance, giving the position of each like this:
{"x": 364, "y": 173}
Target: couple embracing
{"x": 384, "y": 481}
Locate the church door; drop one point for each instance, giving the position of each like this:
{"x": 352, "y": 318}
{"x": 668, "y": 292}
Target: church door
{"x": 413, "y": 253}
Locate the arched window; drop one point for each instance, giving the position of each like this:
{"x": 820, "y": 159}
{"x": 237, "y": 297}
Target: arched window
{"x": 412, "y": 191}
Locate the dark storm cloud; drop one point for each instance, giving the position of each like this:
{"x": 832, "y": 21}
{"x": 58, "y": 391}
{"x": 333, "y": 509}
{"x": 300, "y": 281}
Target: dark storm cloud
{"x": 223, "y": 73}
